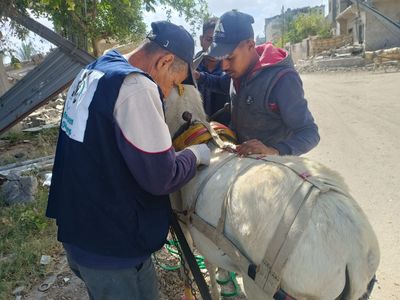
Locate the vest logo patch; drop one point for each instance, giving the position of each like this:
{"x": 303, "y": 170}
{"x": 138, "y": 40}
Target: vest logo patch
{"x": 79, "y": 97}
{"x": 219, "y": 30}
{"x": 220, "y": 27}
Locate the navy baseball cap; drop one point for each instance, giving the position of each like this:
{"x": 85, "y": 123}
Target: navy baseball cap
{"x": 176, "y": 40}
{"x": 232, "y": 28}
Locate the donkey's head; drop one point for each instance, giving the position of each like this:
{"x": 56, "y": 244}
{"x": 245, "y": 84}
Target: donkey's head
{"x": 188, "y": 99}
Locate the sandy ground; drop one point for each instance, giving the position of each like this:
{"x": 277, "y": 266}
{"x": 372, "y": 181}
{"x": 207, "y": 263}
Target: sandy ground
{"x": 359, "y": 118}
{"x": 358, "y": 115}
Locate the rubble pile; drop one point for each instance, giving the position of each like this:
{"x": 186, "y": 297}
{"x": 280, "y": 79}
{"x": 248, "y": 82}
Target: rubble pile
{"x": 47, "y": 116}
{"x": 345, "y": 51}
{"x": 383, "y": 56}
{"x": 351, "y": 58}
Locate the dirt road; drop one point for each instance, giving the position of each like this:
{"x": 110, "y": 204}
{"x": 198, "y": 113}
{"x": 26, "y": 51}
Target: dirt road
{"x": 359, "y": 118}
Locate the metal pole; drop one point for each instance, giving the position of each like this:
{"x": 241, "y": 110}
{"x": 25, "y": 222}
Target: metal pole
{"x": 189, "y": 257}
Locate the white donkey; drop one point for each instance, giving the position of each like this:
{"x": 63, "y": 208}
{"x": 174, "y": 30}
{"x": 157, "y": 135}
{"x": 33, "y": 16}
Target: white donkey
{"x": 334, "y": 252}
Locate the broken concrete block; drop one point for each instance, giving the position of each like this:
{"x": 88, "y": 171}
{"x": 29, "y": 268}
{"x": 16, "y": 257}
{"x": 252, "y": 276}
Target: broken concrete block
{"x": 19, "y": 189}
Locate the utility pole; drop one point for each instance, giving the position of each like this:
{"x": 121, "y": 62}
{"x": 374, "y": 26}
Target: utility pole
{"x": 283, "y": 26}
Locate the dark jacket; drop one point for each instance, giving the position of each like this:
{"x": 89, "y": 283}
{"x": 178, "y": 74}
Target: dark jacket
{"x": 268, "y": 103}
{"x": 214, "y": 101}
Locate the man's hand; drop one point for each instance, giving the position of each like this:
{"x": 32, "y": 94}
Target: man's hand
{"x": 202, "y": 153}
{"x": 255, "y": 147}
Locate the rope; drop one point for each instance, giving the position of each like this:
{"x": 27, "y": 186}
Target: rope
{"x": 171, "y": 247}
{"x": 231, "y": 278}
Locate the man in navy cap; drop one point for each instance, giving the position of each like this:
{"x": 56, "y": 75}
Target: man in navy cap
{"x": 115, "y": 165}
{"x": 213, "y": 102}
{"x": 268, "y": 109}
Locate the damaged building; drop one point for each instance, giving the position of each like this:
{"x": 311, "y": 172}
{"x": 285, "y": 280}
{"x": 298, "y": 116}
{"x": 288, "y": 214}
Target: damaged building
{"x": 273, "y": 26}
{"x": 371, "y": 23}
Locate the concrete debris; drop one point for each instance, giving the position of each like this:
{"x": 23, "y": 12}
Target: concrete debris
{"x": 350, "y": 58}
{"x": 384, "y": 55}
{"x": 40, "y": 163}
{"x": 47, "y": 179}
{"x": 39, "y": 128}
{"x": 66, "y": 279}
{"x": 345, "y": 62}
{"x": 19, "y": 189}
{"x": 347, "y": 50}
{"x": 47, "y": 116}
{"x": 45, "y": 259}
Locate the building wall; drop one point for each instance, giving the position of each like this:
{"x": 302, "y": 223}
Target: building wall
{"x": 356, "y": 28}
{"x": 314, "y": 46}
{"x": 318, "y": 45}
{"x": 390, "y": 8}
{"x": 338, "y": 6}
{"x": 300, "y": 50}
{"x": 273, "y": 26}
{"x": 342, "y": 5}
{"x": 332, "y": 14}
{"x": 380, "y": 35}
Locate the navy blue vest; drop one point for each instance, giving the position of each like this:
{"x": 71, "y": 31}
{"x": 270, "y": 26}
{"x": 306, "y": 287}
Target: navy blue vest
{"x": 96, "y": 201}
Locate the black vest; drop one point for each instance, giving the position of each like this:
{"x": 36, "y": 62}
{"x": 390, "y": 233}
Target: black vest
{"x": 251, "y": 116}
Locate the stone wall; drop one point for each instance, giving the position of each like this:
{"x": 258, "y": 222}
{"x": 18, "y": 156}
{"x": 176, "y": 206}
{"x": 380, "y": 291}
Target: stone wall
{"x": 313, "y": 46}
{"x": 319, "y": 45}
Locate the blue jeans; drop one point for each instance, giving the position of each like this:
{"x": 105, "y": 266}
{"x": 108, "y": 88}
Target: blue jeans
{"x": 137, "y": 283}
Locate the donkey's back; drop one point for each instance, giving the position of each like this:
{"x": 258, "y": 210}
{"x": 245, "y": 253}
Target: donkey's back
{"x": 337, "y": 246}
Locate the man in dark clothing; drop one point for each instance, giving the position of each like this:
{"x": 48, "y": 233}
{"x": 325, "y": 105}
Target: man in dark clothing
{"x": 115, "y": 165}
{"x": 268, "y": 109}
{"x": 206, "y": 38}
{"x": 213, "y": 101}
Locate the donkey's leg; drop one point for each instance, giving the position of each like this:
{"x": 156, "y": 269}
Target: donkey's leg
{"x": 215, "y": 294}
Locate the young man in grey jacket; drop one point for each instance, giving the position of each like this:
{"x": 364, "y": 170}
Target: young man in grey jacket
{"x": 268, "y": 110}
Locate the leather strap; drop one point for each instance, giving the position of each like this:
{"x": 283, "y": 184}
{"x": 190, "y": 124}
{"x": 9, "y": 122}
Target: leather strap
{"x": 289, "y": 231}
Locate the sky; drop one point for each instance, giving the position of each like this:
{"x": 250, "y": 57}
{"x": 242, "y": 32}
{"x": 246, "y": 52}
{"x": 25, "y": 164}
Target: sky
{"x": 259, "y": 9}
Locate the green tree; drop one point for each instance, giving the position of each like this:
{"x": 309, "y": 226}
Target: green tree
{"x": 306, "y": 25}
{"x": 87, "y": 22}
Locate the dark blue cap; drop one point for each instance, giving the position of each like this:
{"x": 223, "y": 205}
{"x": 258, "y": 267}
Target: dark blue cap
{"x": 232, "y": 28}
{"x": 176, "y": 40}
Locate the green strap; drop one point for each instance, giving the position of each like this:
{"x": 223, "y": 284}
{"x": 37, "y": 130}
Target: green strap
{"x": 232, "y": 278}
{"x": 169, "y": 246}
